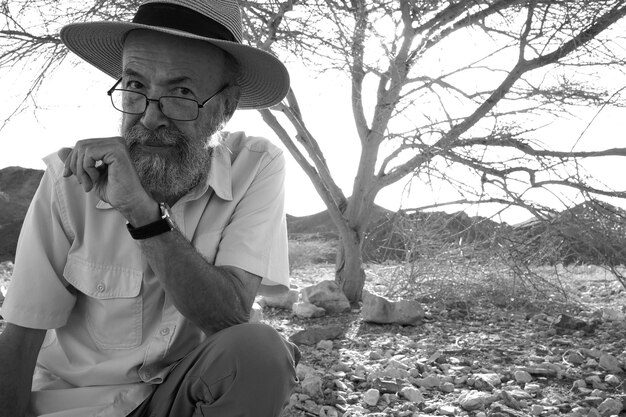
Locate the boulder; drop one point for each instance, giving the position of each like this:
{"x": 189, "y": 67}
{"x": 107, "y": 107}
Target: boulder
{"x": 307, "y": 310}
{"x": 610, "y": 363}
{"x": 378, "y": 309}
{"x": 284, "y": 300}
{"x": 328, "y": 296}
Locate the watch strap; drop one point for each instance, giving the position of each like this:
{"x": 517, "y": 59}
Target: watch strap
{"x": 163, "y": 225}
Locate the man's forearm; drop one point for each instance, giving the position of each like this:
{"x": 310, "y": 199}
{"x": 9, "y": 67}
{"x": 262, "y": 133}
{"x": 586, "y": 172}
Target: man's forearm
{"x": 211, "y": 297}
{"x": 19, "y": 348}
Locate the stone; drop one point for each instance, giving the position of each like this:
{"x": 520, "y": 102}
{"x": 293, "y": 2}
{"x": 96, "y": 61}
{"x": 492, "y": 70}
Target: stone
{"x": 313, "y": 335}
{"x": 610, "y": 363}
{"x": 303, "y": 371}
{"x": 447, "y": 410}
{"x": 610, "y": 407}
{"x": 487, "y": 381}
{"x": 575, "y": 358}
{"x": 328, "y": 411}
{"x": 612, "y": 380}
{"x": 380, "y": 310}
{"x": 371, "y": 397}
{"x": 611, "y": 314}
{"x": 307, "y": 310}
{"x": 570, "y": 323}
{"x": 536, "y": 409}
{"x": 283, "y": 300}
{"x": 431, "y": 381}
{"x": 256, "y": 314}
{"x": 522, "y": 376}
{"x": 447, "y": 387}
{"x": 476, "y": 400}
{"x": 328, "y": 296}
{"x": 326, "y": 345}
{"x": 312, "y": 386}
{"x": 532, "y": 388}
{"x": 385, "y": 385}
{"x": 412, "y": 394}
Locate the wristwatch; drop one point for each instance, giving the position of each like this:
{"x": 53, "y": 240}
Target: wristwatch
{"x": 164, "y": 224}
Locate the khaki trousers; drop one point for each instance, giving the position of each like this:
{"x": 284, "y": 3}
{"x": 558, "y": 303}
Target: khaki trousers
{"x": 246, "y": 370}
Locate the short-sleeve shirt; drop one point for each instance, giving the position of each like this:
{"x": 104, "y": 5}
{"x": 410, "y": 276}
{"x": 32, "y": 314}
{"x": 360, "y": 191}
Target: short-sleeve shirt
{"x": 114, "y": 332}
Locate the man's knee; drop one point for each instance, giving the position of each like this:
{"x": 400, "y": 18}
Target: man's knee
{"x": 256, "y": 342}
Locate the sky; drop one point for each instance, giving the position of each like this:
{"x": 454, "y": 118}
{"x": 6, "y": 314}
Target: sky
{"x": 73, "y": 105}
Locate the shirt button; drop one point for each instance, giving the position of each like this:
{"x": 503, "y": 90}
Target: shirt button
{"x": 100, "y": 287}
{"x": 165, "y": 331}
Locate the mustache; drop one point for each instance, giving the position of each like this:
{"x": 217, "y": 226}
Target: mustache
{"x": 164, "y": 136}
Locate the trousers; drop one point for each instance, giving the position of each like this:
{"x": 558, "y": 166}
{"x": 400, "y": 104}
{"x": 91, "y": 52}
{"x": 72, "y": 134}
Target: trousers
{"x": 246, "y": 370}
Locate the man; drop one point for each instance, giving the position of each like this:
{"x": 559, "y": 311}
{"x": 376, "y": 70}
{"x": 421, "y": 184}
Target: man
{"x": 141, "y": 255}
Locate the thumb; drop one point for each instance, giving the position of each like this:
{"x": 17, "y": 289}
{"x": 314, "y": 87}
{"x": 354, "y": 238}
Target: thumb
{"x": 63, "y": 153}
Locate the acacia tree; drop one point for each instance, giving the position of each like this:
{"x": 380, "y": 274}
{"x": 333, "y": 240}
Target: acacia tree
{"x": 471, "y": 121}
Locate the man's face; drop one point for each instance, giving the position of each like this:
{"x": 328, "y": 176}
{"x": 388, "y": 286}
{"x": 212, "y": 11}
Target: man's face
{"x": 171, "y": 156}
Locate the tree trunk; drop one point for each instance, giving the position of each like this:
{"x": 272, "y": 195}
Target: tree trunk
{"x": 349, "y": 274}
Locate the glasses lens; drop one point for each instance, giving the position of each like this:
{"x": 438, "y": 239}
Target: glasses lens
{"x": 128, "y": 101}
{"x": 178, "y": 108}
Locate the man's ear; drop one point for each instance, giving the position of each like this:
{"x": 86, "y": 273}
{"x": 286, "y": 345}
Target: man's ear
{"x": 231, "y": 101}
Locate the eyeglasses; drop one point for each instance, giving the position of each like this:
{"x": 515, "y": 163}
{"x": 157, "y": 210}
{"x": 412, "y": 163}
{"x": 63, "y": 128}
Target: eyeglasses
{"x": 175, "y": 108}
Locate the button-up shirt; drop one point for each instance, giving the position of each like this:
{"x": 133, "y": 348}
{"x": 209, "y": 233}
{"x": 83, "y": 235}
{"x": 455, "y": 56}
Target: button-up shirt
{"x": 114, "y": 332}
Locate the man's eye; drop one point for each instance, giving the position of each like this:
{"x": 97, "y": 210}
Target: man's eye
{"x": 133, "y": 85}
{"x": 184, "y": 91}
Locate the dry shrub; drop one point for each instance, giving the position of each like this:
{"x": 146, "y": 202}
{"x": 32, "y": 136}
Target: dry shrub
{"x": 462, "y": 260}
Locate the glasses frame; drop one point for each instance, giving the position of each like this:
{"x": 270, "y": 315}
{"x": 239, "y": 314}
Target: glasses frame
{"x": 158, "y": 100}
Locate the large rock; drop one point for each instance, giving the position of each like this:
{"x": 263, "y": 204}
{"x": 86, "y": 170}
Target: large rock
{"x": 313, "y": 335}
{"x": 378, "y": 309}
{"x": 328, "y": 296}
{"x": 284, "y": 300}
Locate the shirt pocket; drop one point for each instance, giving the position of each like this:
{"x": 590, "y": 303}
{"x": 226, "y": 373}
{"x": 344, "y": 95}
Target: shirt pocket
{"x": 110, "y": 302}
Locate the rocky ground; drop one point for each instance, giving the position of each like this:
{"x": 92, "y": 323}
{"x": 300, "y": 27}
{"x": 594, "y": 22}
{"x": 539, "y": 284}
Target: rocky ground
{"x": 469, "y": 359}
{"x": 473, "y": 358}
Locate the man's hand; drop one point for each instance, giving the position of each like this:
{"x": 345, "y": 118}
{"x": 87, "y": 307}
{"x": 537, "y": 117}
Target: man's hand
{"x": 104, "y": 164}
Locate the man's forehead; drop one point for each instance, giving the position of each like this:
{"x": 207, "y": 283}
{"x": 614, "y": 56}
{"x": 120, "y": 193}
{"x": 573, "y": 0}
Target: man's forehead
{"x": 155, "y": 48}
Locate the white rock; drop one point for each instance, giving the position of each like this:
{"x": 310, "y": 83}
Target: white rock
{"x": 378, "y": 309}
{"x": 327, "y": 295}
{"x": 474, "y": 400}
{"x": 447, "y": 410}
{"x": 302, "y": 371}
{"x": 326, "y": 345}
{"x": 412, "y": 394}
{"x": 612, "y": 379}
{"x": 328, "y": 411}
{"x": 610, "y": 407}
{"x": 536, "y": 409}
{"x": 610, "y": 363}
{"x": 282, "y": 300}
{"x": 312, "y": 386}
{"x": 371, "y": 397}
{"x": 307, "y": 310}
{"x": 522, "y": 376}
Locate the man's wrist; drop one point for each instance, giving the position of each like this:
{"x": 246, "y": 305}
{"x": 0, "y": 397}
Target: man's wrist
{"x": 147, "y": 213}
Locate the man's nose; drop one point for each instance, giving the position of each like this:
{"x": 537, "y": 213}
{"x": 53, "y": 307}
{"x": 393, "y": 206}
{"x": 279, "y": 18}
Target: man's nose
{"x": 153, "y": 118}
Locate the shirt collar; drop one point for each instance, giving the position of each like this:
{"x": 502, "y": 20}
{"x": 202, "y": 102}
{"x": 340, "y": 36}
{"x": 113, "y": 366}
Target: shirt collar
{"x": 219, "y": 178}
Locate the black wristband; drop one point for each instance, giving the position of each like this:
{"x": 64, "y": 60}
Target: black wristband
{"x": 163, "y": 225}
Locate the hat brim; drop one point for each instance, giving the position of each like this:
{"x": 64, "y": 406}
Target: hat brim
{"x": 263, "y": 79}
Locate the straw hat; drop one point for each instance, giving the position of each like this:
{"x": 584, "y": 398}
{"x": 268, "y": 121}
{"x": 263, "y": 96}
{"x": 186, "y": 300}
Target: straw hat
{"x": 264, "y": 80}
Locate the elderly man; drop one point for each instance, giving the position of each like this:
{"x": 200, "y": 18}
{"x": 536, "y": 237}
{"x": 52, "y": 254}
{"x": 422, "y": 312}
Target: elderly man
{"x": 141, "y": 255}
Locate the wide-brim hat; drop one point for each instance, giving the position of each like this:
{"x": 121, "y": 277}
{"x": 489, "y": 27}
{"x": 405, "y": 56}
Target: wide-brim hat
{"x": 263, "y": 79}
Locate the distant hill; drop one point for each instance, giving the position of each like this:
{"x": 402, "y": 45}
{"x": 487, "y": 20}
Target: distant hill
{"x": 17, "y": 187}
{"x": 587, "y": 233}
